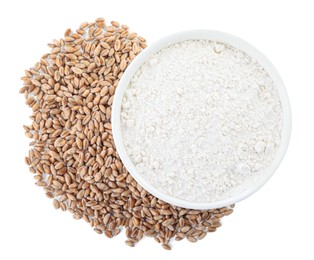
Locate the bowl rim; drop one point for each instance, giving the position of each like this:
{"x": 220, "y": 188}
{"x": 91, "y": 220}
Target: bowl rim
{"x": 216, "y": 36}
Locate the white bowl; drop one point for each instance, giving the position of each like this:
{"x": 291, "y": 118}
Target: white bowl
{"x": 197, "y": 35}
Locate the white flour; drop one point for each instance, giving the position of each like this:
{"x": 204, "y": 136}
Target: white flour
{"x": 201, "y": 120}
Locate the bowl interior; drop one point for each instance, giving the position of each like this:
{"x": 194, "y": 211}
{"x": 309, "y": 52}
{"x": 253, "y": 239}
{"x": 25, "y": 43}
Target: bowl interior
{"x": 243, "y": 191}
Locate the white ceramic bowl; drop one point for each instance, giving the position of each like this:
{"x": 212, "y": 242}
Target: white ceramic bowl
{"x": 213, "y": 36}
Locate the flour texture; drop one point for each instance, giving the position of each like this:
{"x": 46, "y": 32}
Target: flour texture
{"x": 201, "y": 120}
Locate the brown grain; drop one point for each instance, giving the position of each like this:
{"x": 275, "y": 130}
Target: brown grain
{"x": 192, "y": 239}
{"x": 129, "y": 243}
{"x": 166, "y": 246}
{"x": 56, "y": 204}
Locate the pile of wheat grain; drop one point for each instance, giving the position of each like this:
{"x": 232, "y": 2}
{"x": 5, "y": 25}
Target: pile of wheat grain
{"x": 73, "y": 157}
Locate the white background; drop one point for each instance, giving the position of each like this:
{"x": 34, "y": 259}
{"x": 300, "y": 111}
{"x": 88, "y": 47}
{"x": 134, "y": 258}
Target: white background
{"x": 275, "y": 223}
